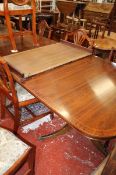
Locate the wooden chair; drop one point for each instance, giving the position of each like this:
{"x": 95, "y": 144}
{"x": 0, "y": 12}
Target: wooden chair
{"x": 20, "y": 9}
{"x": 95, "y": 29}
{"x": 112, "y": 56}
{"x": 22, "y": 106}
{"x": 43, "y": 27}
{"x": 14, "y": 153}
{"x": 80, "y": 37}
{"x": 108, "y": 166}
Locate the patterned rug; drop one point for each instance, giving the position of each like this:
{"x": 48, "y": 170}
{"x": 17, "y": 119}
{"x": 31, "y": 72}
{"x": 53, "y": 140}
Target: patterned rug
{"x": 37, "y": 109}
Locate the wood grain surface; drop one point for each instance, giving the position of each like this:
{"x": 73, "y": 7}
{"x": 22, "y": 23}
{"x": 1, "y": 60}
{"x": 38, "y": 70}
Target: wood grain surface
{"x": 83, "y": 93}
{"x": 99, "y": 7}
{"x": 41, "y": 59}
{"x": 104, "y": 43}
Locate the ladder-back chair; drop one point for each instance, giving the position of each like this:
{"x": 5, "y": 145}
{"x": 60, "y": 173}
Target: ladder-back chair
{"x": 95, "y": 29}
{"x": 14, "y": 153}
{"x": 22, "y": 106}
{"x": 43, "y": 27}
{"x": 19, "y": 9}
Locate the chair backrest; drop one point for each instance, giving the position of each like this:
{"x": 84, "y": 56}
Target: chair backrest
{"x": 7, "y": 87}
{"x": 21, "y": 7}
{"x": 20, "y": 2}
{"x": 112, "y": 56}
{"x": 81, "y": 38}
{"x": 96, "y": 29}
{"x": 42, "y": 26}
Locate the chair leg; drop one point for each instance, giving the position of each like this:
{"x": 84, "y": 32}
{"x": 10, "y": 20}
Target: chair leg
{"x": 16, "y": 120}
{"x": 11, "y": 36}
{"x": 49, "y": 34}
{"x": 52, "y": 116}
{"x": 31, "y": 161}
{"x": 66, "y": 37}
{"x": 21, "y": 28}
{"x": 34, "y": 30}
{"x": 2, "y": 106}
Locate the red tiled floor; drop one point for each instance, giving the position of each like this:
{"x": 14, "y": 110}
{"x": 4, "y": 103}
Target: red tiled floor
{"x": 67, "y": 154}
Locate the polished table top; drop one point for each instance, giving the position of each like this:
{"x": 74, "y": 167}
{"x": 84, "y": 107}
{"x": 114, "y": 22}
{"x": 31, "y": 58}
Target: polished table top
{"x": 104, "y": 43}
{"x": 41, "y": 59}
{"x": 83, "y": 93}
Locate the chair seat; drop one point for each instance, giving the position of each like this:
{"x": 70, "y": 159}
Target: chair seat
{"x": 12, "y": 6}
{"x": 22, "y": 93}
{"x": 36, "y": 108}
{"x": 11, "y": 150}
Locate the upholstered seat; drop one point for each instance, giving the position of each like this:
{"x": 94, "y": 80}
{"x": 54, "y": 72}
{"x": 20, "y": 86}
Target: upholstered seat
{"x": 11, "y": 150}
{"x": 22, "y": 93}
{"x": 12, "y": 6}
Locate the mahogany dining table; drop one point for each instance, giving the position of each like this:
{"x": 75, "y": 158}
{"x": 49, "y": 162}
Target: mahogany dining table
{"x": 82, "y": 92}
